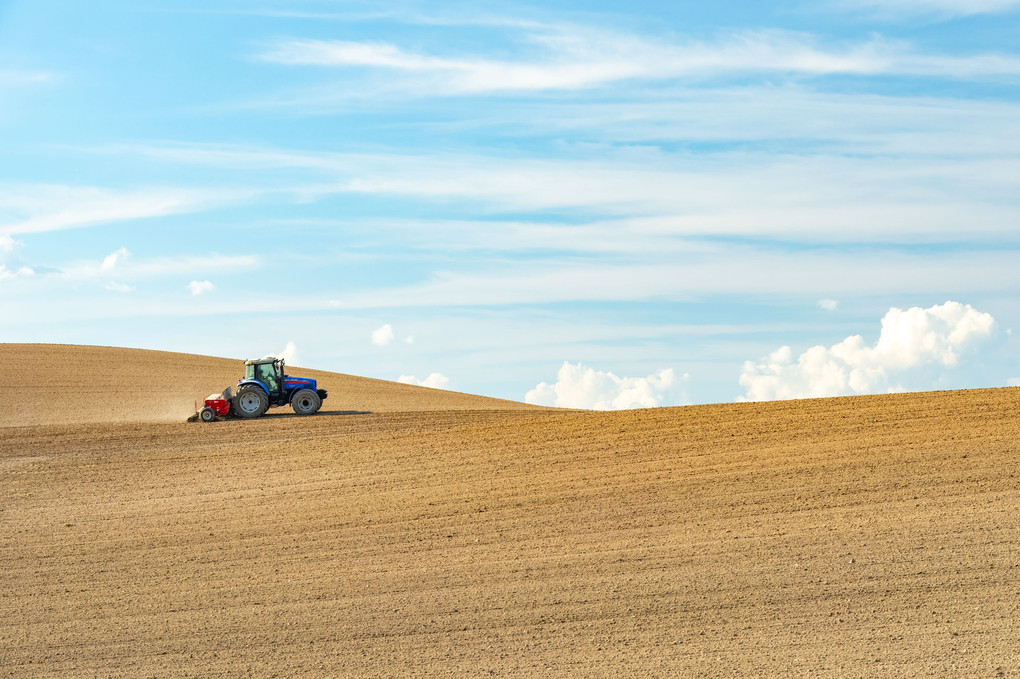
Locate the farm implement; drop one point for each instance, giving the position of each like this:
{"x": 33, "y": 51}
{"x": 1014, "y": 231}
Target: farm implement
{"x": 264, "y": 385}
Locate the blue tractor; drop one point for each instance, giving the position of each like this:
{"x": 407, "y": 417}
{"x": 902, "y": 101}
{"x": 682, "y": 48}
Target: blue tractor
{"x": 265, "y": 384}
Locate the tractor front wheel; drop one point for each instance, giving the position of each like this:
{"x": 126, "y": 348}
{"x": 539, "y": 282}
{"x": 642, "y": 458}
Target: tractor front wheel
{"x": 306, "y": 402}
{"x": 250, "y": 402}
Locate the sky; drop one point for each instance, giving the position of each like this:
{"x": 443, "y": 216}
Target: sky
{"x": 600, "y": 205}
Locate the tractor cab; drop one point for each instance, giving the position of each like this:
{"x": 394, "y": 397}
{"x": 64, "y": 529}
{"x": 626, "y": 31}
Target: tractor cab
{"x": 268, "y": 371}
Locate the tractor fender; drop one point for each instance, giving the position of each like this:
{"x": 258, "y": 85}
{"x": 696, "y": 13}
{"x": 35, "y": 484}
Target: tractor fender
{"x": 260, "y": 385}
{"x": 291, "y": 393}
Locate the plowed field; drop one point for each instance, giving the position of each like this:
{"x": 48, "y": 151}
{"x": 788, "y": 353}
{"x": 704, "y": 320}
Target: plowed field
{"x": 410, "y": 532}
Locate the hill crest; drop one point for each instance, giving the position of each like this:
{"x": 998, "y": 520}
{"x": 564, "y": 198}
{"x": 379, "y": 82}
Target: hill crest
{"x": 79, "y": 384}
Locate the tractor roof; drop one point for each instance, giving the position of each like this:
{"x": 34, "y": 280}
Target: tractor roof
{"x": 260, "y": 361}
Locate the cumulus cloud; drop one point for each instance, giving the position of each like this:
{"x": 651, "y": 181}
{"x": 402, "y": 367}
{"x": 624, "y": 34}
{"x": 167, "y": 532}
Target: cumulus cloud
{"x": 434, "y": 380}
{"x": 200, "y": 287}
{"x": 828, "y": 304}
{"x": 383, "y": 335}
{"x": 6, "y": 243}
{"x": 288, "y": 353}
{"x": 110, "y": 261}
{"x": 915, "y": 348}
{"x": 578, "y": 386}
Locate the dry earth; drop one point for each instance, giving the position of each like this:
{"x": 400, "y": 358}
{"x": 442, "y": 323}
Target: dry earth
{"x": 62, "y": 384}
{"x": 409, "y": 532}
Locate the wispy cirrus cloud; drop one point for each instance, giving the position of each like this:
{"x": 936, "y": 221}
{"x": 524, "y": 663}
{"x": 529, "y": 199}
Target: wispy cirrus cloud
{"x": 121, "y": 266}
{"x": 570, "y": 58}
{"x": 118, "y": 287}
{"x": 804, "y": 120}
{"x": 402, "y": 14}
{"x": 791, "y": 114}
{"x": 112, "y": 270}
{"x": 10, "y": 274}
{"x": 829, "y": 198}
{"x": 38, "y": 208}
{"x": 940, "y": 8}
{"x": 15, "y": 77}
{"x": 730, "y": 271}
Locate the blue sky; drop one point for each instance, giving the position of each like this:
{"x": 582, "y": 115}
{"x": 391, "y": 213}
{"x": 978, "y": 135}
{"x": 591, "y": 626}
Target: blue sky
{"x": 598, "y": 204}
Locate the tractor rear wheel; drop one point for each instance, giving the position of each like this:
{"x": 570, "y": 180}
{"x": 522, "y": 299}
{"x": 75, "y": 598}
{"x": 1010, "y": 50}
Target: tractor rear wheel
{"x": 306, "y": 402}
{"x": 250, "y": 401}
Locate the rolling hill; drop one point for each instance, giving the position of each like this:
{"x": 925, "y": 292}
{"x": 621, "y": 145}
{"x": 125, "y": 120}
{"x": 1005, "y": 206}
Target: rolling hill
{"x": 64, "y": 384}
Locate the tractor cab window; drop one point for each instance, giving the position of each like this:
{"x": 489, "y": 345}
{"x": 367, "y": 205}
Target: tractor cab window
{"x": 266, "y": 373}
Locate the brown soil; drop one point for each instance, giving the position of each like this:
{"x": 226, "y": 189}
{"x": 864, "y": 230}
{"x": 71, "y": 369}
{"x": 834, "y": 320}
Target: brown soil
{"x": 63, "y": 384}
{"x": 866, "y": 536}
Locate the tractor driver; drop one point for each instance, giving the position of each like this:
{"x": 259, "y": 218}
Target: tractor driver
{"x": 269, "y": 376}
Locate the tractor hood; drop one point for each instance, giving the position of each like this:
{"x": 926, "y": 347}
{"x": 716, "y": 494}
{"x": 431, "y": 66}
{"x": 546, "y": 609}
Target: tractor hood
{"x": 298, "y": 383}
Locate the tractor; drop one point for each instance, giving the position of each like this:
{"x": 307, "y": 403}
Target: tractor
{"x": 264, "y": 384}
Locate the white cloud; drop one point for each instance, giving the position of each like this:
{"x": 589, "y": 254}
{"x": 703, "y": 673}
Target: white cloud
{"x": 868, "y": 123}
{"x": 946, "y": 8}
{"x": 169, "y": 266}
{"x": 200, "y": 287}
{"x": 855, "y": 123}
{"x": 409, "y": 339}
{"x": 434, "y": 381}
{"x": 571, "y": 57}
{"x": 6, "y": 243}
{"x": 1013, "y": 382}
{"x": 828, "y": 304}
{"x": 159, "y": 267}
{"x": 578, "y": 386}
{"x": 915, "y": 348}
{"x": 36, "y": 208}
{"x": 383, "y": 335}
{"x": 21, "y": 272}
{"x": 118, "y": 287}
{"x": 111, "y": 259}
{"x": 289, "y": 353}
{"x": 855, "y": 198}
{"x": 730, "y": 271}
